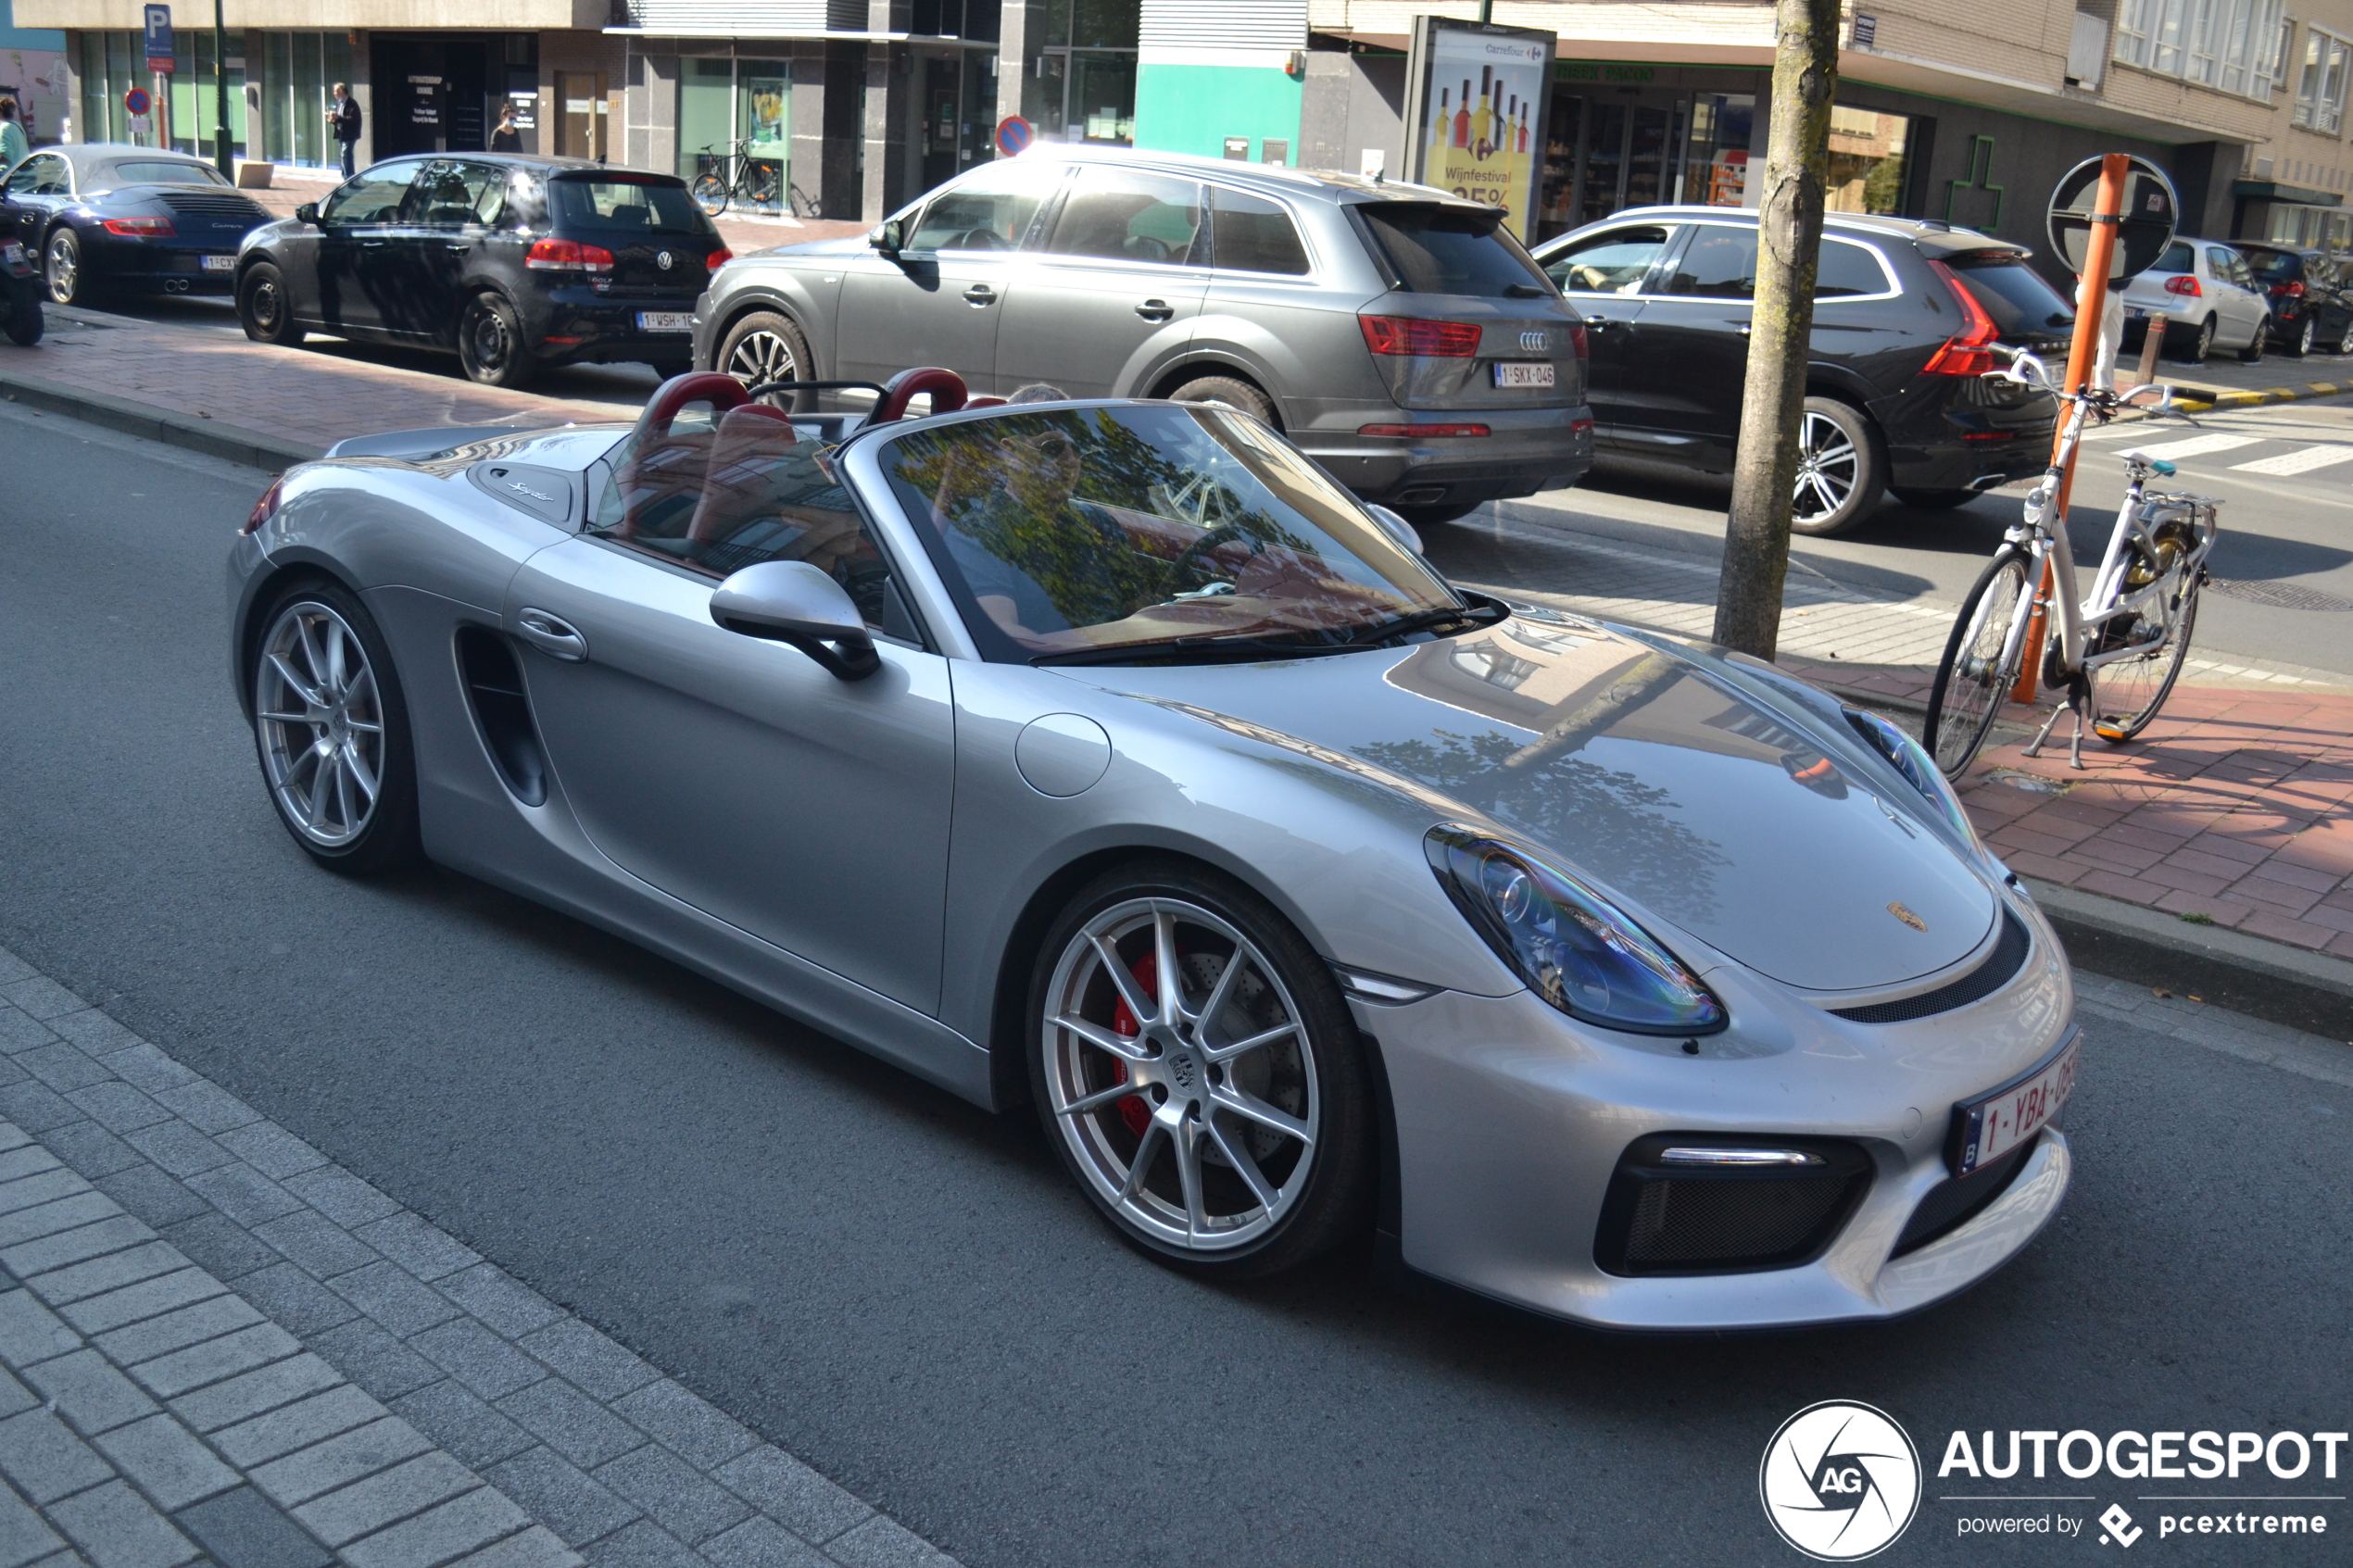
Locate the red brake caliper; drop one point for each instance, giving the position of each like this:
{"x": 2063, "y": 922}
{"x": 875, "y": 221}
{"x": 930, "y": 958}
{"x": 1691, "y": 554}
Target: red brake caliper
{"x": 1132, "y": 1109}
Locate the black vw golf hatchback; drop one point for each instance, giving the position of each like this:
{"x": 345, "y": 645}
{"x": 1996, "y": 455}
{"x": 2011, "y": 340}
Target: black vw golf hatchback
{"x": 511, "y": 262}
{"x": 1906, "y": 315}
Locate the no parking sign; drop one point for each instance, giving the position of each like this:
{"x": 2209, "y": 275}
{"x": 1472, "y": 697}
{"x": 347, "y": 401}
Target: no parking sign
{"x": 134, "y": 102}
{"x": 1013, "y": 133}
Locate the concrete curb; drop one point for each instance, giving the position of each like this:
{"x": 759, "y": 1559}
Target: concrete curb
{"x": 214, "y": 438}
{"x": 2225, "y": 968}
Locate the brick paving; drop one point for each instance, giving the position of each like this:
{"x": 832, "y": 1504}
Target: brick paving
{"x": 218, "y": 1347}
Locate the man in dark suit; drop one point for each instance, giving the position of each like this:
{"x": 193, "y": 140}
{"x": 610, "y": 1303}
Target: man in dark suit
{"x": 343, "y": 117}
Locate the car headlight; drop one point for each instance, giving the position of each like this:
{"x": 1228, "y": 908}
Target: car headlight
{"x": 1574, "y": 948}
{"x": 1909, "y": 758}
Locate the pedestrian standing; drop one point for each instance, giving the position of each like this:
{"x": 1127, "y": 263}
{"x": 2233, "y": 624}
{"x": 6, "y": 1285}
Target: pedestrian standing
{"x": 344, "y": 118}
{"x": 506, "y": 138}
{"x": 13, "y": 146}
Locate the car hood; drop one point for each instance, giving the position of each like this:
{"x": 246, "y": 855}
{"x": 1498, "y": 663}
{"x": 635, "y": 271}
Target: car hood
{"x": 1633, "y": 766}
{"x": 847, "y": 244}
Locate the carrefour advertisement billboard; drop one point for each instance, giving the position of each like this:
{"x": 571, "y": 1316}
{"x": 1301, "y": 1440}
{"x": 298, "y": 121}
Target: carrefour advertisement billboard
{"x": 1475, "y": 102}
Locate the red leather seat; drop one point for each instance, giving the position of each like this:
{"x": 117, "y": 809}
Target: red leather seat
{"x": 746, "y": 452}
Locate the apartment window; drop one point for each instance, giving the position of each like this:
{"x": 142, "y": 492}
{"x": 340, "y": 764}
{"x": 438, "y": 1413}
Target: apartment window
{"x": 2229, "y": 44}
{"x": 2320, "y": 90}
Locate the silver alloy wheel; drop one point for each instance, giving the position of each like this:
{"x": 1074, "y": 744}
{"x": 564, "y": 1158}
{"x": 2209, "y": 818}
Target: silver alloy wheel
{"x": 2345, "y": 338}
{"x": 1829, "y": 467}
{"x": 1178, "y": 1071}
{"x": 762, "y": 357}
{"x": 2305, "y": 335}
{"x": 322, "y": 723}
{"x": 64, "y": 268}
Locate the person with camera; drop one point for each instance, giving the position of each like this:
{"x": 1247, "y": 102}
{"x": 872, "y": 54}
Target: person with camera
{"x": 343, "y": 118}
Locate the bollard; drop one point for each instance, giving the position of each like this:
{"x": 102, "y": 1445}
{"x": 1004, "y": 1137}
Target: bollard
{"x": 2149, "y": 346}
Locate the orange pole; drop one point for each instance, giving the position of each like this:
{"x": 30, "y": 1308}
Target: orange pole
{"x": 2099, "y": 253}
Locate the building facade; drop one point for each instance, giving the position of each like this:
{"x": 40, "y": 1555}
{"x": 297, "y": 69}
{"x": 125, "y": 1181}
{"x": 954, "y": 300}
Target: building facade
{"x": 33, "y": 73}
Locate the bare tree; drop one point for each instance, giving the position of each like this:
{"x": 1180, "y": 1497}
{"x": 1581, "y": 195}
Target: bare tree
{"x": 1748, "y": 597}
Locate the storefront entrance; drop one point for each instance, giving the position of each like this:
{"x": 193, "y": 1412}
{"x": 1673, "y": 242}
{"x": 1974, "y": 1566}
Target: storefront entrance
{"x": 1611, "y": 147}
{"x": 443, "y": 94}
{"x": 959, "y": 110}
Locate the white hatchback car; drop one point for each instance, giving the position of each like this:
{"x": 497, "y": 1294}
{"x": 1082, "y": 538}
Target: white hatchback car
{"x": 2208, "y": 297}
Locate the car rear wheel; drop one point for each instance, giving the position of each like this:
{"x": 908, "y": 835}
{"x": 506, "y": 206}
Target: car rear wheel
{"x": 1840, "y": 476}
{"x": 2345, "y": 336}
{"x": 1199, "y": 1073}
{"x": 2253, "y": 353}
{"x": 2200, "y": 346}
{"x": 1228, "y": 391}
{"x": 333, "y": 732}
{"x": 491, "y": 346}
{"x": 765, "y": 346}
{"x": 2300, "y": 341}
{"x": 61, "y": 267}
{"x": 263, "y": 307}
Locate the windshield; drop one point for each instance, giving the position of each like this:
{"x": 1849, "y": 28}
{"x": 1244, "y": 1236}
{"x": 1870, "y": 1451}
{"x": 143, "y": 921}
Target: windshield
{"x": 2276, "y": 266}
{"x": 161, "y": 171}
{"x": 1077, "y": 531}
{"x": 1451, "y": 249}
{"x": 624, "y": 205}
{"x": 2022, "y": 303}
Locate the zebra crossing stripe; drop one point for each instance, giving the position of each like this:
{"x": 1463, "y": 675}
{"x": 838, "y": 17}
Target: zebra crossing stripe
{"x": 2303, "y": 460}
{"x": 2199, "y": 446}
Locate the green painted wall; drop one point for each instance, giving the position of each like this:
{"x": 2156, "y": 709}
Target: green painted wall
{"x": 1194, "y": 109}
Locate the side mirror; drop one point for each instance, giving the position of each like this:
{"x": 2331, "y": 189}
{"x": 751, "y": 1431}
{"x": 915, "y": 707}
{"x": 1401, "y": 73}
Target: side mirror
{"x": 307, "y": 213}
{"x": 1397, "y": 528}
{"x": 889, "y": 238}
{"x": 791, "y": 601}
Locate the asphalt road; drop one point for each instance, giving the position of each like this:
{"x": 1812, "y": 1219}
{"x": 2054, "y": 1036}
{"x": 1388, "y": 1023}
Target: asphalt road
{"x": 2283, "y": 566}
{"x": 909, "y": 1294}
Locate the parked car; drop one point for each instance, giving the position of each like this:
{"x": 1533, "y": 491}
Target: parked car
{"x": 2311, "y": 306}
{"x": 105, "y": 216}
{"x": 2210, "y": 298}
{"x": 1906, "y": 315}
{"x": 1400, "y": 336}
{"x": 1107, "y": 758}
{"x": 511, "y": 263}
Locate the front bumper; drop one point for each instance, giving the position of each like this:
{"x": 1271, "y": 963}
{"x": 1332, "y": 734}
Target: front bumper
{"x": 1525, "y": 450}
{"x": 1510, "y": 1120}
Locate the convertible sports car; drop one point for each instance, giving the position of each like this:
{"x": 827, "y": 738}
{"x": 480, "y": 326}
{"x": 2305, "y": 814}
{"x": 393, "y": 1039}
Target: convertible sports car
{"x": 1106, "y": 754}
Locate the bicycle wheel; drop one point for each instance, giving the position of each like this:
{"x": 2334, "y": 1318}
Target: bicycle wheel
{"x": 709, "y": 194}
{"x": 2126, "y": 694}
{"x": 1973, "y": 679}
{"x": 763, "y": 182}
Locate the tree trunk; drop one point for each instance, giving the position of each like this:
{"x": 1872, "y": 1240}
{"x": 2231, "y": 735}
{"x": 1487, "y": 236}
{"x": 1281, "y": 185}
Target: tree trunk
{"x": 1748, "y": 597}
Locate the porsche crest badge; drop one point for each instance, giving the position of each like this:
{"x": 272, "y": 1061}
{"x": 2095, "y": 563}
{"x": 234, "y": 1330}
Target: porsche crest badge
{"x": 1907, "y": 917}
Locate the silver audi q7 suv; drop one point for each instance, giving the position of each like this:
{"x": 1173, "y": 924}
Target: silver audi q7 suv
{"x": 1400, "y": 336}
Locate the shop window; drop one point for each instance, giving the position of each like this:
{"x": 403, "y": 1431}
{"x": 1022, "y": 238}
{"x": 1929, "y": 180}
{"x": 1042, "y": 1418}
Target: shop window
{"x": 2320, "y": 90}
{"x": 980, "y": 19}
{"x": 1715, "y": 171}
{"x": 195, "y": 95}
{"x": 1867, "y": 160}
{"x": 722, "y": 101}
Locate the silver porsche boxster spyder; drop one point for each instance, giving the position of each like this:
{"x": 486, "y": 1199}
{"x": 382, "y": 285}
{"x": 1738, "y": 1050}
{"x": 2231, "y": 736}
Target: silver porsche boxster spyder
{"x": 1107, "y": 756}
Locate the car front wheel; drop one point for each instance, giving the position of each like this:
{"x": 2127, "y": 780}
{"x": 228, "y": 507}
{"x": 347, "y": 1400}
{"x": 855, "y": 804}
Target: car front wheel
{"x": 765, "y": 346}
{"x": 1198, "y": 1071}
{"x": 2299, "y": 342}
{"x": 1840, "y": 476}
{"x": 2200, "y": 346}
{"x": 333, "y": 732}
{"x": 2253, "y": 353}
{"x": 491, "y": 346}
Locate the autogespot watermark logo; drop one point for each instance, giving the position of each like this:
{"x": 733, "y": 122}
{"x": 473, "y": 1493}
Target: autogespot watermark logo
{"x": 1840, "y": 1481}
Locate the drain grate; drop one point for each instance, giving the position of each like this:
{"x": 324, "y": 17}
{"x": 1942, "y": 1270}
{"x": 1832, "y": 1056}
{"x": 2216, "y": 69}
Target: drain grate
{"x": 2278, "y": 596}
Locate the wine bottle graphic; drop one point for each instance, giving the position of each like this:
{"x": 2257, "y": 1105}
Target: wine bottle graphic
{"x": 1462, "y": 117}
{"x": 1438, "y": 139}
{"x": 1483, "y": 121}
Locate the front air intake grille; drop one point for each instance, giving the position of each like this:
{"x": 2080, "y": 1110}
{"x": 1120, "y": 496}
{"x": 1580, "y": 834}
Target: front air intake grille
{"x": 1667, "y": 1218}
{"x": 1954, "y": 1202}
{"x": 2009, "y": 957}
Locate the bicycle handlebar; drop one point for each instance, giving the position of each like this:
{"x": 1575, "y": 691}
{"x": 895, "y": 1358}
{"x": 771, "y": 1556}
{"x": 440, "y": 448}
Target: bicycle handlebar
{"x": 2025, "y": 369}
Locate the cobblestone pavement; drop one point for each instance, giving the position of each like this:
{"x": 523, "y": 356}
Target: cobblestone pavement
{"x": 221, "y": 1347}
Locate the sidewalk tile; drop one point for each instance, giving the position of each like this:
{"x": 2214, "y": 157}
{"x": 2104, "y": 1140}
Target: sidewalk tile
{"x": 244, "y": 1193}
{"x": 272, "y": 1150}
{"x": 464, "y": 1525}
{"x": 535, "y": 1547}
{"x": 154, "y": 1196}
{"x": 686, "y": 1423}
{"x": 674, "y": 1493}
{"x": 220, "y": 1244}
{"x": 62, "y": 1067}
{"x": 19, "y": 1030}
{"x": 315, "y": 1243}
{"x": 174, "y": 1331}
{"x": 178, "y": 1148}
{"x": 36, "y": 1107}
{"x": 91, "y": 1149}
{"x": 88, "y": 1392}
{"x": 208, "y": 1107}
{"x": 394, "y": 1297}
{"x": 342, "y": 1197}
{"x": 793, "y": 1494}
{"x": 117, "y": 1106}
{"x": 30, "y": 1332}
{"x": 366, "y": 1506}
{"x": 507, "y": 1306}
{"x": 408, "y": 1240}
{"x": 41, "y": 998}
{"x": 148, "y": 1298}
{"x": 54, "y": 1218}
{"x": 295, "y": 1300}
{"x": 23, "y": 1538}
{"x": 571, "y": 1423}
{"x": 339, "y": 1461}
{"x": 2279, "y": 928}
{"x": 101, "y": 1274}
{"x": 297, "y": 1425}
{"x": 27, "y": 1160}
{"x": 225, "y": 1404}
{"x": 117, "y": 1529}
{"x": 14, "y": 1395}
{"x": 199, "y": 1366}
{"x": 560, "y": 1495}
{"x": 142, "y": 1066}
{"x": 45, "y": 1461}
{"x": 642, "y": 1545}
{"x": 369, "y": 1356}
{"x": 885, "y": 1543}
{"x": 94, "y": 1030}
{"x": 762, "y": 1543}
{"x": 166, "y": 1461}
{"x": 478, "y": 1358}
{"x": 590, "y": 1360}
{"x": 451, "y": 1415}
{"x": 244, "y": 1529}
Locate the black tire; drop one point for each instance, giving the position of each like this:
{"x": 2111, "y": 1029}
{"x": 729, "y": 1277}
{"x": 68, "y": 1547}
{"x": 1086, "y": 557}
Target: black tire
{"x": 491, "y": 344}
{"x": 386, "y": 837}
{"x": 61, "y": 269}
{"x": 766, "y": 346}
{"x": 265, "y": 308}
{"x": 2299, "y": 342}
{"x": 2344, "y": 336}
{"x": 2126, "y": 683}
{"x": 27, "y": 321}
{"x": 1971, "y": 681}
{"x": 711, "y": 193}
{"x": 1935, "y": 500}
{"x": 1443, "y": 511}
{"x": 2199, "y": 346}
{"x": 1316, "y": 1074}
{"x": 2253, "y": 353}
{"x": 1230, "y": 392}
{"x": 1840, "y": 472}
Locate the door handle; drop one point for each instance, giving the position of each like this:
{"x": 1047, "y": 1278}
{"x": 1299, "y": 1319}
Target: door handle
{"x": 980, "y": 294}
{"x": 371, "y": 244}
{"x": 550, "y": 635}
{"x": 1600, "y": 324}
{"x": 1156, "y": 311}
{"x": 457, "y": 249}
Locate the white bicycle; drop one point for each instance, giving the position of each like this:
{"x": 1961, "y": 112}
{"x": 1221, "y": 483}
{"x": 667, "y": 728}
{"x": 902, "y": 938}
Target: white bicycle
{"x": 2115, "y": 651}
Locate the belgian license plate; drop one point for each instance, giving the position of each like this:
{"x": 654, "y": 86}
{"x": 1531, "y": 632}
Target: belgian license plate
{"x": 1987, "y": 1128}
{"x": 665, "y": 321}
{"x": 219, "y": 263}
{"x": 11, "y": 252}
{"x": 1524, "y": 373}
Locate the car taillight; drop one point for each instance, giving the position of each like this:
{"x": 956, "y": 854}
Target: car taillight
{"x": 265, "y": 509}
{"x": 1970, "y": 351}
{"x": 2183, "y": 284}
{"x": 140, "y": 228}
{"x": 718, "y": 258}
{"x": 2288, "y": 291}
{"x": 1410, "y": 334}
{"x": 1577, "y": 339}
{"x": 1419, "y": 433}
{"x": 567, "y": 255}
